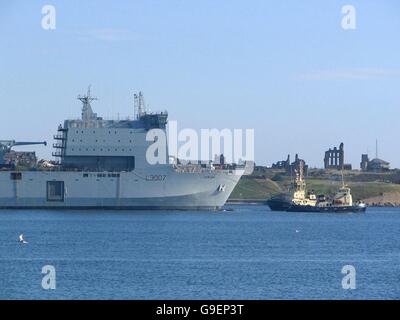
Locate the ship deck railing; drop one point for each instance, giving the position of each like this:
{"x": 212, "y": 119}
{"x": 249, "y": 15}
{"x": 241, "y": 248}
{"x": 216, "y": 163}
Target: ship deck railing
{"x": 190, "y": 168}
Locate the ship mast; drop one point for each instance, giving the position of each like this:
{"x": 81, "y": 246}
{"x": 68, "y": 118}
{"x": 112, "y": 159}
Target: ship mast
{"x": 343, "y": 185}
{"x": 139, "y": 105}
{"x": 300, "y": 183}
{"x": 87, "y": 112}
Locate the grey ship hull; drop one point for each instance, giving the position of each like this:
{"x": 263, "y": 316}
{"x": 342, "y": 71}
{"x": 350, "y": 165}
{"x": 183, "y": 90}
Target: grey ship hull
{"x": 128, "y": 191}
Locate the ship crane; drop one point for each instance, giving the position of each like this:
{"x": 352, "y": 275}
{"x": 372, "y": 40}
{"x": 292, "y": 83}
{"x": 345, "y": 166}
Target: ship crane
{"x": 7, "y": 145}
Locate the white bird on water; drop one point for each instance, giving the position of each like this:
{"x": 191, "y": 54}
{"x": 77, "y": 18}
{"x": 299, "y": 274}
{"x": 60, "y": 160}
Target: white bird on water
{"x": 21, "y": 239}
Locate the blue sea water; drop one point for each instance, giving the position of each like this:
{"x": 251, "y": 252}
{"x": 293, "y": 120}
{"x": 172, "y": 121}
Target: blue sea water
{"x": 247, "y": 253}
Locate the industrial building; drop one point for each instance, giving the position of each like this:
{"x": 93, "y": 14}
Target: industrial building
{"x": 19, "y": 158}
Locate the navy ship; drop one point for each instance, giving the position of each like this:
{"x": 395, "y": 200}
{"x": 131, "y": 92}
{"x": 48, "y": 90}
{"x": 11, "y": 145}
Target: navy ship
{"x": 102, "y": 165}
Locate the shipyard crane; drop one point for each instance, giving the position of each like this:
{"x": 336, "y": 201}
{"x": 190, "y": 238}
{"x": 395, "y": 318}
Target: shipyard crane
{"x": 6, "y": 145}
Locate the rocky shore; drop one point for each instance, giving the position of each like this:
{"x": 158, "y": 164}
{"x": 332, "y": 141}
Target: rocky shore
{"x": 387, "y": 199}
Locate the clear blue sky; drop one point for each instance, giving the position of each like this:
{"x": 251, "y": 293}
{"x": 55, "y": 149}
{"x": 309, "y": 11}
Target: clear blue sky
{"x": 285, "y": 68}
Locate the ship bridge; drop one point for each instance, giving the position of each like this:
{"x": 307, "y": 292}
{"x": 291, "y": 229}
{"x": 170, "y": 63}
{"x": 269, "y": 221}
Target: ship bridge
{"x": 95, "y": 144}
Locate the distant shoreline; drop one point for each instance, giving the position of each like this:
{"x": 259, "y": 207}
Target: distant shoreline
{"x": 261, "y": 202}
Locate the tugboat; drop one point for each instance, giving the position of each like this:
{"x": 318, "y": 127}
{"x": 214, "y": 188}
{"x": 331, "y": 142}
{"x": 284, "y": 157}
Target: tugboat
{"x": 303, "y": 201}
{"x": 300, "y": 196}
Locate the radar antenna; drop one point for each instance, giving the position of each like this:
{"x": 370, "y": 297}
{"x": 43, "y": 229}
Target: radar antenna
{"x": 87, "y": 112}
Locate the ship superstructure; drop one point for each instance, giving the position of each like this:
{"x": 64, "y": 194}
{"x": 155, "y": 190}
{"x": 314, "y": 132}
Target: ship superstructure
{"x": 102, "y": 164}
{"x": 94, "y": 144}
{"x": 300, "y": 195}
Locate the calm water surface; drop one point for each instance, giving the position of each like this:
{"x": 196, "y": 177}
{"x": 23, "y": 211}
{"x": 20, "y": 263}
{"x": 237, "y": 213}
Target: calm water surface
{"x": 247, "y": 253}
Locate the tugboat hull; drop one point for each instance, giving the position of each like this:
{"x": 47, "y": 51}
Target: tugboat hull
{"x": 331, "y": 209}
{"x": 279, "y": 203}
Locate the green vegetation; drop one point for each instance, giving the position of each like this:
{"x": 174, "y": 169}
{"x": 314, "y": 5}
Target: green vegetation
{"x": 255, "y": 189}
{"x": 359, "y": 190}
